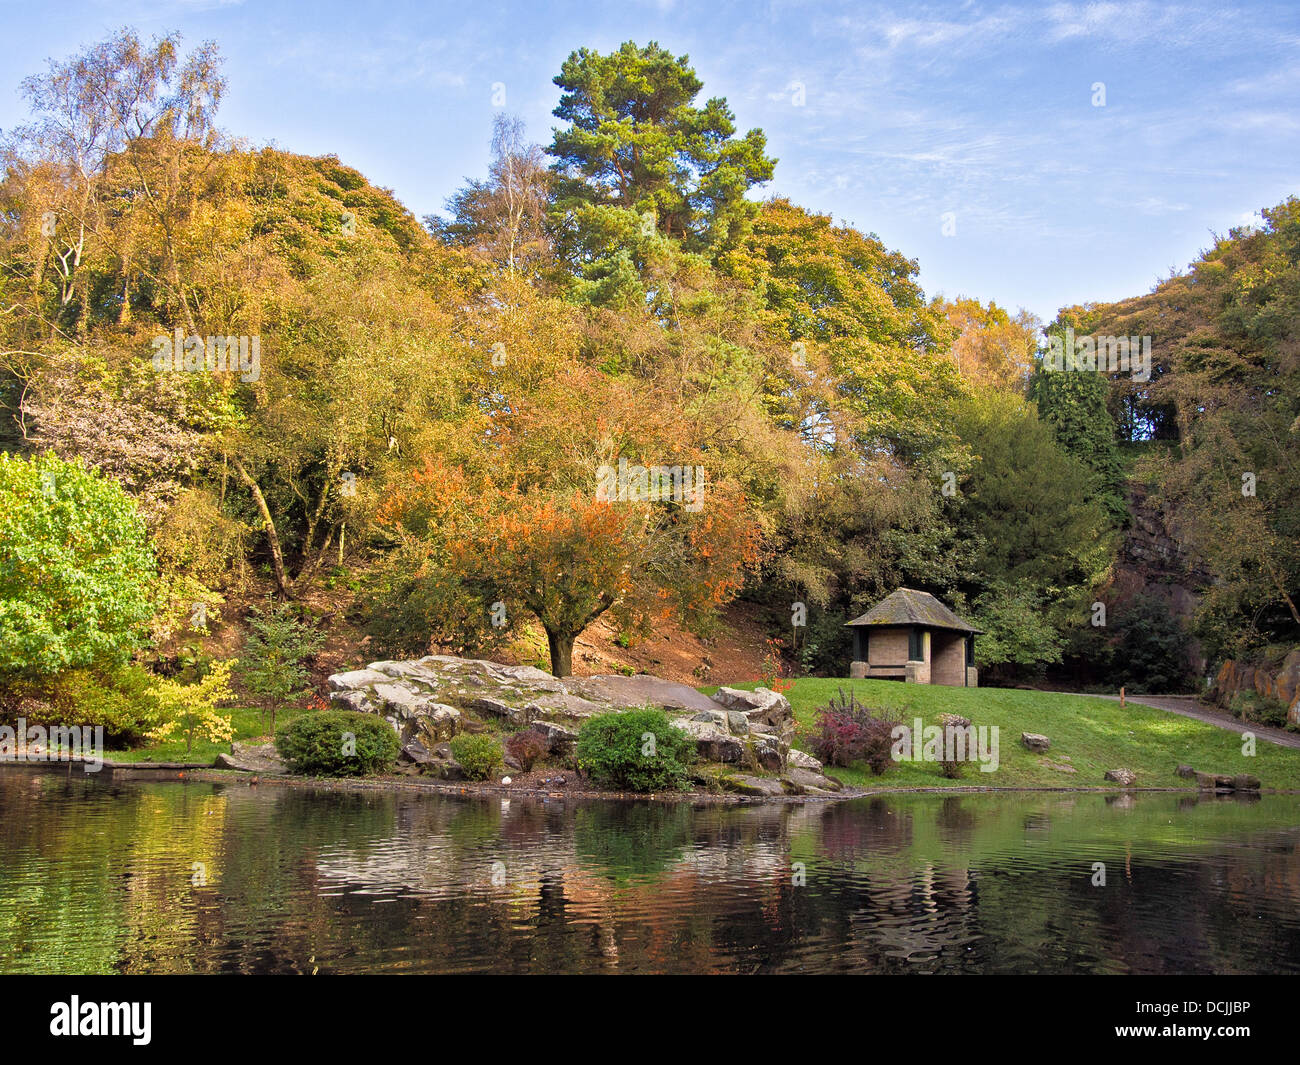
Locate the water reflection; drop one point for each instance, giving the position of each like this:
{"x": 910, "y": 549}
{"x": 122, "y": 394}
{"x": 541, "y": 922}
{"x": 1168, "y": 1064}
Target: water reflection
{"x": 110, "y": 876}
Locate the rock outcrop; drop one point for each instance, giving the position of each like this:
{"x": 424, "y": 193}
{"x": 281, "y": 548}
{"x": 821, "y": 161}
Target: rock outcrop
{"x": 1281, "y": 683}
{"x": 430, "y": 700}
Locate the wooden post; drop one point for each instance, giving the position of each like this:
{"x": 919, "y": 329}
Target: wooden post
{"x": 1121, "y": 698}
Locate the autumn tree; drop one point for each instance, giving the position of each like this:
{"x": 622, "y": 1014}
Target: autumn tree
{"x": 992, "y": 349}
{"x": 1231, "y": 486}
{"x": 534, "y": 524}
{"x": 503, "y": 218}
{"x": 92, "y": 108}
{"x": 851, "y": 309}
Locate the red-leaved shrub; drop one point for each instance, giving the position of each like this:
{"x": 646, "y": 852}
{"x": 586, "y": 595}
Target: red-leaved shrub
{"x": 525, "y": 748}
{"x": 847, "y": 731}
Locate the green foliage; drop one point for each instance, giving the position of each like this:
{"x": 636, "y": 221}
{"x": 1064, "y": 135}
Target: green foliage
{"x": 826, "y": 643}
{"x": 1262, "y": 709}
{"x": 1027, "y": 501}
{"x": 803, "y": 364}
{"x": 478, "y": 754}
{"x": 1074, "y": 404}
{"x": 638, "y": 750}
{"x": 412, "y": 597}
{"x": 1016, "y": 632}
{"x": 273, "y": 662}
{"x": 635, "y": 140}
{"x": 338, "y": 743}
{"x": 1149, "y": 648}
{"x": 121, "y": 700}
{"x": 75, "y": 568}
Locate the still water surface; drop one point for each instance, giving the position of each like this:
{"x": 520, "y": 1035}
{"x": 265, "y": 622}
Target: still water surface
{"x": 102, "y": 875}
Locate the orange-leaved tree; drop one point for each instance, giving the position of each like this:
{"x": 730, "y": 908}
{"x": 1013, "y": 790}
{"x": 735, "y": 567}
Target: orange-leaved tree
{"x": 489, "y": 549}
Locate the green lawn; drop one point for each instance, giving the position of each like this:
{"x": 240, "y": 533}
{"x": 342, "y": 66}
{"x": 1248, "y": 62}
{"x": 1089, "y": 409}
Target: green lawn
{"x": 248, "y": 725}
{"x": 1093, "y": 734}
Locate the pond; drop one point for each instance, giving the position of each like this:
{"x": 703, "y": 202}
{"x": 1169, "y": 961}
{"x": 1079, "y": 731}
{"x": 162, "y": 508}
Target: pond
{"x": 101, "y": 875}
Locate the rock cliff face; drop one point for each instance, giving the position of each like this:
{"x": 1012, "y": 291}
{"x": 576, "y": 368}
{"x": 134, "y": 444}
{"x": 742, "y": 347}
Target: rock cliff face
{"x": 430, "y": 700}
{"x": 1154, "y": 562}
{"x": 1282, "y": 684}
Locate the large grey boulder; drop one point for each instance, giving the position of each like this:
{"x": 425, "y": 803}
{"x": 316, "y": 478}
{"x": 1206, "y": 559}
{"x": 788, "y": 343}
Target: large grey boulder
{"x": 761, "y": 706}
{"x": 806, "y": 782}
{"x": 616, "y": 690}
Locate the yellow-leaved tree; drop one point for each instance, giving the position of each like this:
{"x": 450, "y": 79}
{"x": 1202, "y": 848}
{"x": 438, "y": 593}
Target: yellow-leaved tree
{"x": 191, "y": 709}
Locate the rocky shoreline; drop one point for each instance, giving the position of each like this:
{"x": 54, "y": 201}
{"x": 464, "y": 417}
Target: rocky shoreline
{"x": 742, "y": 738}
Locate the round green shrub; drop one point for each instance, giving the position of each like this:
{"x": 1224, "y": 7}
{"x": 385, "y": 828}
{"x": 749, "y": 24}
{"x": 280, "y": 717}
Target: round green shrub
{"x": 338, "y": 743}
{"x": 616, "y": 750}
{"x": 479, "y": 755}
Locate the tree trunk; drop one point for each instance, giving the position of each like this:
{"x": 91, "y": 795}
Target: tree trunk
{"x": 273, "y": 538}
{"x": 561, "y": 653}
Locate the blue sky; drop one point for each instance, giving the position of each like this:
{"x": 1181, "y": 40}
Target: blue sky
{"x": 980, "y": 112}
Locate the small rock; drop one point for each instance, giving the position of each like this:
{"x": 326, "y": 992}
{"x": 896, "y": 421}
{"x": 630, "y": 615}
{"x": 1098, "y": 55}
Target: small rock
{"x": 800, "y": 760}
{"x": 716, "y": 718}
{"x": 252, "y": 758}
{"x": 446, "y": 769}
{"x": 1124, "y": 777}
{"x": 747, "y": 785}
{"x": 1245, "y": 782}
{"x": 1214, "y": 781}
{"x": 767, "y": 752}
{"x": 1035, "y": 741}
{"x": 1185, "y": 771}
{"x": 712, "y": 745}
{"x": 558, "y": 739}
{"x": 806, "y": 781}
{"x": 416, "y": 752}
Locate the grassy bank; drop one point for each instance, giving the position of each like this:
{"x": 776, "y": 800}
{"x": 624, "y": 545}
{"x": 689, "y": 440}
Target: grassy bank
{"x": 247, "y": 722}
{"x": 1088, "y": 734}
